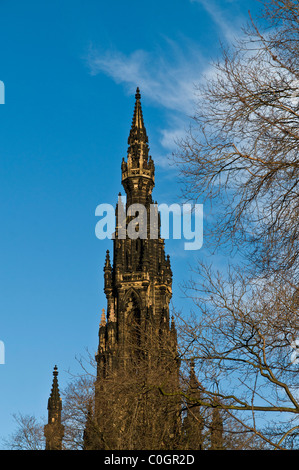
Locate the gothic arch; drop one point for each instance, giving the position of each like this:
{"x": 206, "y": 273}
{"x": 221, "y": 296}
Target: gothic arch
{"x": 131, "y": 293}
{"x": 132, "y": 317}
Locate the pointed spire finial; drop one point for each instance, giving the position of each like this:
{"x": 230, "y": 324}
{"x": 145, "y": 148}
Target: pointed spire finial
{"x": 137, "y": 122}
{"x": 138, "y": 141}
{"x": 54, "y": 401}
{"x": 103, "y": 318}
{"x": 54, "y": 430}
{"x": 107, "y": 260}
{"x": 137, "y": 94}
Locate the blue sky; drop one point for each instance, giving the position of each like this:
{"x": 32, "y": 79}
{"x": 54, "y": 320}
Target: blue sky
{"x": 70, "y": 70}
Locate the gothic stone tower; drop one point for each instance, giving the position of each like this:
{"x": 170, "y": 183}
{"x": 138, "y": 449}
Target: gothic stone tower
{"x": 54, "y": 430}
{"x": 137, "y": 351}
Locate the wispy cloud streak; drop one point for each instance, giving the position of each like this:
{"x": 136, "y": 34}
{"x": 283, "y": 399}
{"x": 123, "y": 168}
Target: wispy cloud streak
{"x": 229, "y": 28}
{"x": 167, "y": 83}
{"x": 168, "y": 76}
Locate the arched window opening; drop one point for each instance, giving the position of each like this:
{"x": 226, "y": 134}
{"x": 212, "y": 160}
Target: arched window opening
{"x": 133, "y": 321}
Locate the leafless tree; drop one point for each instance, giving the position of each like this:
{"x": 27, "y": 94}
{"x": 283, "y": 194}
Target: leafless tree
{"x": 29, "y": 434}
{"x": 138, "y": 411}
{"x": 241, "y": 157}
{"x": 243, "y": 339}
{"x": 241, "y": 152}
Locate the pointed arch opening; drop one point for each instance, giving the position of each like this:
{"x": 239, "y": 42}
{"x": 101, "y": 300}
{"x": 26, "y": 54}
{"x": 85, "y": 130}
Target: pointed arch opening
{"x": 133, "y": 323}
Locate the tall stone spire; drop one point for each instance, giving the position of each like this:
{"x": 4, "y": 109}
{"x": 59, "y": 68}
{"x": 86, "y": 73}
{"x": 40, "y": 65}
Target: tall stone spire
{"x": 138, "y": 140}
{"x": 138, "y": 172}
{"x": 54, "y": 430}
{"x": 138, "y": 287}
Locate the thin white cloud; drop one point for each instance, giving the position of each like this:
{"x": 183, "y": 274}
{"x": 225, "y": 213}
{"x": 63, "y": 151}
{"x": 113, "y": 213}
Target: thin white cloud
{"x": 168, "y": 82}
{"x": 229, "y": 27}
{"x": 172, "y": 135}
{"x": 167, "y": 78}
